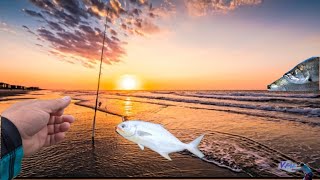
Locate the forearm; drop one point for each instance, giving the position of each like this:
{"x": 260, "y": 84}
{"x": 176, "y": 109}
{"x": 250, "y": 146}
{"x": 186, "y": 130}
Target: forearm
{"x": 11, "y": 150}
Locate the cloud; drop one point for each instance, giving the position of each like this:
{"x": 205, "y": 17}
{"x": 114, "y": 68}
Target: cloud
{"x": 148, "y": 27}
{"x": 33, "y": 13}
{"x": 116, "y": 7}
{"x": 74, "y": 29}
{"x": 124, "y": 26}
{"x": 205, "y": 7}
{"x": 73, "y": 7}
{"x": 166, "y": 9}
{"x": 139, "y": 2}
{"x": 43, "y": 4}
{"x": 113, "y": 32}
{"x": 4, "y": 27}
{"x": 55, "y": 26}
{"x": 29, "y": 30}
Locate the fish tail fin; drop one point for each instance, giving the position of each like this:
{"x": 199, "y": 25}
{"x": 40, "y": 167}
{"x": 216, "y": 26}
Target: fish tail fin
{"x": 193, "y": 147}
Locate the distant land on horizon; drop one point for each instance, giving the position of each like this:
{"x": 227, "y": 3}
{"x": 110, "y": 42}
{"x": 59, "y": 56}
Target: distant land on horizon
{"x": 4, "y": 85}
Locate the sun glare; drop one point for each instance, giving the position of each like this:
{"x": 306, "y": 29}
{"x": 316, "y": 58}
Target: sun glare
{"x": 128, "y": 82}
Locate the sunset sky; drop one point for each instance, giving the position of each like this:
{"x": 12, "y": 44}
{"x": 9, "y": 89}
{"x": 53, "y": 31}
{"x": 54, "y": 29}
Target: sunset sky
{"x": 161, "y": 44}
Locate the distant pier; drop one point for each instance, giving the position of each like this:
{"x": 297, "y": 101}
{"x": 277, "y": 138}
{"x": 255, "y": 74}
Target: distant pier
{"x": 17, "y": 87}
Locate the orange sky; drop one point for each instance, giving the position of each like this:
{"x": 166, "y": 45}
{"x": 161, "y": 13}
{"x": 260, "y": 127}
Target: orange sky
{"x": 163, "y": 66}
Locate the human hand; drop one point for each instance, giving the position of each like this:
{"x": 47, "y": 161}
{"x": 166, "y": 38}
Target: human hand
{"x": 40, "y": 122}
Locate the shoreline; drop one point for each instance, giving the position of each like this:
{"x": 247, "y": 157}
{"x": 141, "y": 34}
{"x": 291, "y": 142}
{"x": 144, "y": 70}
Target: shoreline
{"x": 91, "y": 107}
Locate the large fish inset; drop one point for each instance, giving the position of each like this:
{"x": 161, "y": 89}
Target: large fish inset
{"x": 303, "y": 77}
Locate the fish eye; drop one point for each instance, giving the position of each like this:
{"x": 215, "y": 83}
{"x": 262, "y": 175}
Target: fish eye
{"x": 123, "y": 125}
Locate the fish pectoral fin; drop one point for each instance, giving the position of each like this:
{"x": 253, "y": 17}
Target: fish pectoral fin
{"x": 141, "y": 147}
{"x": 143, "y": 133}
{"x": 165, "y": 155}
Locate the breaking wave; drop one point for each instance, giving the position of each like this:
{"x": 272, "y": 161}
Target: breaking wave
{"x": 306, "y": 110}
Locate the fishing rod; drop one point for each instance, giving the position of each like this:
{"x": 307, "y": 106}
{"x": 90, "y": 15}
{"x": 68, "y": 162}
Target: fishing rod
{"x": 98, "y": 88}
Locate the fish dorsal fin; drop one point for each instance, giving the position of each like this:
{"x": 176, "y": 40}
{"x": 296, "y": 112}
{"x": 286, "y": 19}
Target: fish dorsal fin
{"x": 143, "y": 133}
{"x": 141, "y": 147}
{"x": 165, "y": 155}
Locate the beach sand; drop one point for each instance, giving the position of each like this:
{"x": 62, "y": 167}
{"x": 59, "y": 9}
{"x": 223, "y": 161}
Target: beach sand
{"x": 243, "y": 139}
{"x": 111, "y": 156}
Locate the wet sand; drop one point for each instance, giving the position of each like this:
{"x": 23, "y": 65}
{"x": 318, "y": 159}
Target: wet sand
{"x": 111, "y": 156}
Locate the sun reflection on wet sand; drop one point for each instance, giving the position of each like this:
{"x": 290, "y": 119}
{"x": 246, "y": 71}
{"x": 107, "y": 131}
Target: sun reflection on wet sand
{"x": 128, "y": 106}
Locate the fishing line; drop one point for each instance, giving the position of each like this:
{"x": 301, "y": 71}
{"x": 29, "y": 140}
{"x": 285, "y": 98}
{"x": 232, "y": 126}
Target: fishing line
{"x": 98, "y": 88}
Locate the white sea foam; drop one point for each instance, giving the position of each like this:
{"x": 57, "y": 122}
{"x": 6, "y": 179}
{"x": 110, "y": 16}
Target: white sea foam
{"x": 286, "y": 108}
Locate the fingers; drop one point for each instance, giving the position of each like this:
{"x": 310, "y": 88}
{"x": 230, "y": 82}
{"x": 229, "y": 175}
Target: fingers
{"x": 57, "y": 128}
{"x": 54, "y": 139}
{"x": 55, "y": 106}
{"x": 61, "y": 119}
{"x": 60, "y": 124}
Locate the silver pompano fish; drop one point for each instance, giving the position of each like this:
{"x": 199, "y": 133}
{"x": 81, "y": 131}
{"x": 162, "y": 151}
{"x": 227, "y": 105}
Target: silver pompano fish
{"x": 303, "y": 77}
{"x": 157, "y": 138}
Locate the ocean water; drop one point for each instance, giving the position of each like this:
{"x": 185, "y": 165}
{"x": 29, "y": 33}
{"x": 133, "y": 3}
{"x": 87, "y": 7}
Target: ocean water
{"x": 247, "y": 133}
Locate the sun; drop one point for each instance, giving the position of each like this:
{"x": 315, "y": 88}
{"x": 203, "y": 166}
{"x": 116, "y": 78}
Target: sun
{"x": 128, "y": 82}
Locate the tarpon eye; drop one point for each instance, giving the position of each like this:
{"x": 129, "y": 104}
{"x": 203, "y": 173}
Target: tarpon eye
{"x": 123, "y": 126}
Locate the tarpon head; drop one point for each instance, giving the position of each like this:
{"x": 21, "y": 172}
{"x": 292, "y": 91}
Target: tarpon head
{"x": 126, "y": 129}
{"x": 303, "y": 77}
{"x": 278, "y": 85}
{"x": 298, "y": 75}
